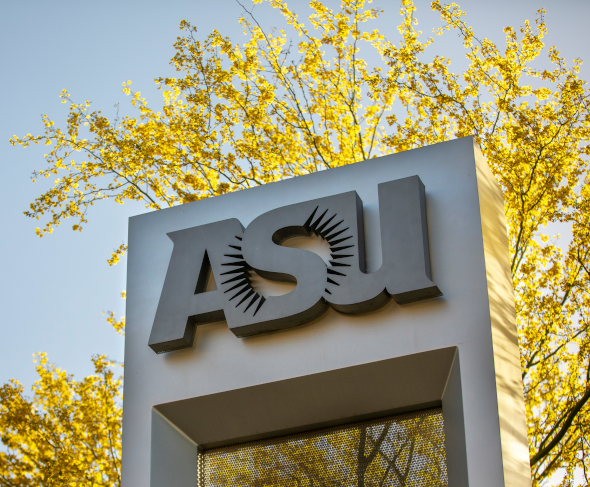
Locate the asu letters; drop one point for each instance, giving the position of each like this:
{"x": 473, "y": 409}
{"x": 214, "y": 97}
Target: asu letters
{"x": 232, "y": 253}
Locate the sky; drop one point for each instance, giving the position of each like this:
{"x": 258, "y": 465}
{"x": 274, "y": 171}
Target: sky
{"x": 53, "y": 290}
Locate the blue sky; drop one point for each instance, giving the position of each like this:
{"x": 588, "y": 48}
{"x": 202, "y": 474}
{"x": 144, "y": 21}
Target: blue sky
{"x": 54, "y": 289}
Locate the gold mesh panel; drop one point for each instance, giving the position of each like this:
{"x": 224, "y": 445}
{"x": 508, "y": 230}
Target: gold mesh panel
{"x": 405, "y": 450}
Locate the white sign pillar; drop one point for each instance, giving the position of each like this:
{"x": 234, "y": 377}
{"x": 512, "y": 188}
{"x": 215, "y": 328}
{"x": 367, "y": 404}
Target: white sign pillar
{"x": 321, "y": 366}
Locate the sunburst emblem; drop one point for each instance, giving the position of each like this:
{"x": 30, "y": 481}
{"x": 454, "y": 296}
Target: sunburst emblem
{"x": 334, "y": 234}
{"x": 241, "y": 281}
